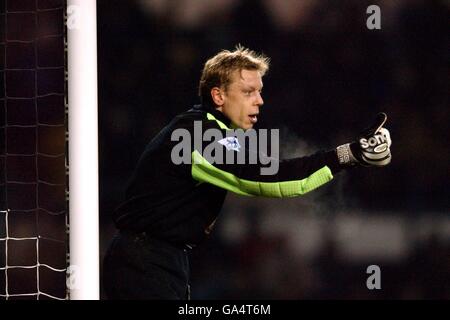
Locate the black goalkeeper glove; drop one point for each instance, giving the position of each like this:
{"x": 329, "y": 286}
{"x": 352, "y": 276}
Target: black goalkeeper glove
{"x": 371, "y": 149}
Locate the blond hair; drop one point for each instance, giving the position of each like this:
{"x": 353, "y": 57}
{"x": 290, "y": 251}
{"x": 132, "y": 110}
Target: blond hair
{"x": 218, "y": 70}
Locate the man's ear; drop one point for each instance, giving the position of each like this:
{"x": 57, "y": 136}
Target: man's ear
{"x": 217, "y": 96}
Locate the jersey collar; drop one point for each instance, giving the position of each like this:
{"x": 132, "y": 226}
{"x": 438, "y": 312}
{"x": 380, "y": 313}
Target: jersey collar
{"x": 216, "y": 113}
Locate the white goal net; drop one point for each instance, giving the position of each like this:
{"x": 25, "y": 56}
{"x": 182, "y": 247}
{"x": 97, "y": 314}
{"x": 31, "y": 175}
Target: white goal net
{"x": 33, "y": 188}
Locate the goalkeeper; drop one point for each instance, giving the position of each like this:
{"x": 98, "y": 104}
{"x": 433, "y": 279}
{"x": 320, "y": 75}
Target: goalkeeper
{"x": 171, "y": 206}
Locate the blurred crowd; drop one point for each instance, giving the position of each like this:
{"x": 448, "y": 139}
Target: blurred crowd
{"x": 263, "y": 264}
{"x": 329, "y": 76}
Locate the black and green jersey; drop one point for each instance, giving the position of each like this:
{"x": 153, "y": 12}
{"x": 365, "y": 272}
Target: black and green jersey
{"x": 178, "y": 203}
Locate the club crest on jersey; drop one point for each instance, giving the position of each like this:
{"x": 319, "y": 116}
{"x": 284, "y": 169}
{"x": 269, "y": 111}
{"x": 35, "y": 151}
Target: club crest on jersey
{"x": 231, "y": 143}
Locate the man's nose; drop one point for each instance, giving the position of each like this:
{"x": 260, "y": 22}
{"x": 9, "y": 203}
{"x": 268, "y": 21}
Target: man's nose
{"x": 259, "y": 99}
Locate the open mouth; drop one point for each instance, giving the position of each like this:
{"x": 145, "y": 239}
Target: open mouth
{"x": 253, "y": 118}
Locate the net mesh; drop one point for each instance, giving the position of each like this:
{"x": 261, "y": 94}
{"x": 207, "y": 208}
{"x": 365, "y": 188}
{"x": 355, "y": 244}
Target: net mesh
{"x": 33, "y": 207}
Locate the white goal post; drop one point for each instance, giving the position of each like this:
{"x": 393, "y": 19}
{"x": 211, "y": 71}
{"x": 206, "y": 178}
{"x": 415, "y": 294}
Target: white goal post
{"x": 83, "y": 271}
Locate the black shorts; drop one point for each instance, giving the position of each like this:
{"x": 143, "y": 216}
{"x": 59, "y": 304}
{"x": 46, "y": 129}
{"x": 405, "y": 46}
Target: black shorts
{"x": 138, "y": 267}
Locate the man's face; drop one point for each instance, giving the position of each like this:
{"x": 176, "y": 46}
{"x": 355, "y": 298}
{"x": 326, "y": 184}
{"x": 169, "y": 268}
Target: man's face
{"x": 242, "y": 99}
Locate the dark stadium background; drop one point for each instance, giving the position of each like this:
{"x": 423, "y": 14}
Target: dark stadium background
{"x": 329, "y": 76}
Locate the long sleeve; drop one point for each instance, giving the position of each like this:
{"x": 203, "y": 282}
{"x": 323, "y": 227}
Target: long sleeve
{"x": 230, "y": 162}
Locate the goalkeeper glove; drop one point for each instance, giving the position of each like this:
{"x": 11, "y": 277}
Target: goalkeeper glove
{"x": 372, "y": 147}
